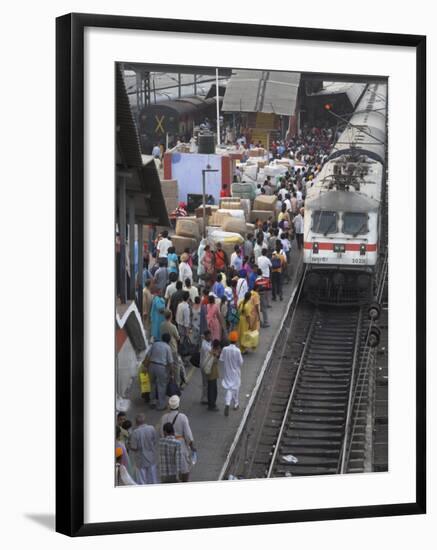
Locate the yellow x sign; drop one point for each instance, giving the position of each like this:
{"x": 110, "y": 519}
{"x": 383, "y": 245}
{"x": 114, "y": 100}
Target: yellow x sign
{"x": 159, "y": 126}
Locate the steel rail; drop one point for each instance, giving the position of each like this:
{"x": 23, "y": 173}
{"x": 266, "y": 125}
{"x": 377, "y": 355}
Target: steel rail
{"x": 350, "y": 403}
{"x": 262, "y": 373}
{"x": 286, "y": 336}
{"x": 365, "y": 362}
{"x": 291, "y": 397}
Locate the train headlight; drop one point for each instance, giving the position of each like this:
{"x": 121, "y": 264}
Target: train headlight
{"x": 363, "y": 250}
{"x": 315, "y": 248}
{"x": 340, "y": 248}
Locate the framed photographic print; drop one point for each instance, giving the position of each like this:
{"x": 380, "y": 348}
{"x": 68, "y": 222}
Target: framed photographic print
{"x": 240, "y": 274}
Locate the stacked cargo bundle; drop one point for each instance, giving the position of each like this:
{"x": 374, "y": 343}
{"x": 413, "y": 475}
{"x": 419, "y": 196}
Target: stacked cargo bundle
{"x": 264, "y": 208}
{"x": 244, "y": 190}
{"x": 188, "y": 232}
{"x": 227, "y": 239}
{"x": 257, "y": 152}
{"x": 170, "y": 191}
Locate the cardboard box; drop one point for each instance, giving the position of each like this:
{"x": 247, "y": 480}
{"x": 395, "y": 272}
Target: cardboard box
{"x": 257, "y": 152}
{"x": 235, "y": 225}
{"x": 208, "y": 211}
{"x": 187, "y": 227}
{"x": 231, "y": 203}
{"x": 219, "y": 217}
{"x": 181, "y": 243}
{"x": 265, "y": 202}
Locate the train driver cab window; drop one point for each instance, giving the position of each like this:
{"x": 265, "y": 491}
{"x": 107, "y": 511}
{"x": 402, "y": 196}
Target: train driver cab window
{"x": 324, "y": 221}
{"x": 355, "y": 223}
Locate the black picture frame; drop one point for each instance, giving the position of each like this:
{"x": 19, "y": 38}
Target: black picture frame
{"x": 70, "y": 272}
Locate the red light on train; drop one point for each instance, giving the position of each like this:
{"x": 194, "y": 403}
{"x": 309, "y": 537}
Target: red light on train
{"x": 328, "y": 106}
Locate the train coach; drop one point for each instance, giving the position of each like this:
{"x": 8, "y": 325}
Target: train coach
{"x": 169, "y": 119}
{"x": 343, "y": 208}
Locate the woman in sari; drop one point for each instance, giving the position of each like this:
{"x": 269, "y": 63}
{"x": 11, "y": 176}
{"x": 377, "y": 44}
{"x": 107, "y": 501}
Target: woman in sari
{"x": 214, "y": 319}
{"x": 208, "y": 262}
{"x": 203, "y": 304}
{"x": 247, "y": 317}
{"x": 157, "y": 316}
{"x": 255, "y": 322}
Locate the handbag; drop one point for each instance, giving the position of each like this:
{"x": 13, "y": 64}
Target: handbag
{"x": 250, "y": 339}
{"x": 144, "y": 382}
{"x": 172, "y": 388}
{"x": 195, "y": 359}
{"x": 209, "y": 362}
{"x": 186, "y": 347}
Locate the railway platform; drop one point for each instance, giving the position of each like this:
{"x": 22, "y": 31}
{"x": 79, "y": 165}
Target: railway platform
{"x": 213, "y": 432}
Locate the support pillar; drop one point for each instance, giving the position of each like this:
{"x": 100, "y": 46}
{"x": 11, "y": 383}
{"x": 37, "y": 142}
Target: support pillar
{"x": 140, "y": 268}
{"x": 131, "y": 207}
{"x": 122, "y": 229}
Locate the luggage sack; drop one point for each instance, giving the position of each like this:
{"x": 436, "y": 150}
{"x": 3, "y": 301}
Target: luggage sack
{"x": 250, "y": 339}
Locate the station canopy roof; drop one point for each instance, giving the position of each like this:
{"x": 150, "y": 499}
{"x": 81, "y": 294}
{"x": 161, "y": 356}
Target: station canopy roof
{"x": 139, "y": 171}
{"x": 352, "y": 90}
{"x": 262, "y": 92}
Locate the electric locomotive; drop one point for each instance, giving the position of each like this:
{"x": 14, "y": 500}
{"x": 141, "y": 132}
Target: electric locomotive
{"x": 342, "y": 219}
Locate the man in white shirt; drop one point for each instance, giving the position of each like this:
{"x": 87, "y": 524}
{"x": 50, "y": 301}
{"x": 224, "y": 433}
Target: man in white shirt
{"x": 264, "y": 263}
{"x": 298, "y": 228}
{"x": 192, "y": 290}
{"x": 242, "y": 286}
{"x": 183, "y": 316}
{"x": 299, "y": 198}
{"x": 204, "y": 349}
{"x": 163, "y": 245}
{"x": 171, "y": 288}
{"x": 257, "y": 249}
{"x": 232, "y": 363}
{"x": 282, "y": 192}
{"x": 287, "y": 202}
{"x": 185, "y": 271}
{"x": 156, "y": 151}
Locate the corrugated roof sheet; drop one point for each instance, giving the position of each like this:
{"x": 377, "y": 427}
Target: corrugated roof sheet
{"x": 144, "y": 183}
{"x": 353, "y": 90}
{"x": 262, "y": 92}
{"x": 128, "y": 142}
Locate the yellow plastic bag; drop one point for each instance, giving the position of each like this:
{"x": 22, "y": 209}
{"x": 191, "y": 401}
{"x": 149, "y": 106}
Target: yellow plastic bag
{"x": 250, "y": 339}
{"x": 144, "y": 382}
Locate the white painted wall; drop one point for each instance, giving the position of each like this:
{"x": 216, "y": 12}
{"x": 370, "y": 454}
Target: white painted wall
{"x": 187, "y": 168}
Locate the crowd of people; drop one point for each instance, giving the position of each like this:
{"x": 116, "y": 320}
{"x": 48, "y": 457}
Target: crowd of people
{"x": 206, "y": 308}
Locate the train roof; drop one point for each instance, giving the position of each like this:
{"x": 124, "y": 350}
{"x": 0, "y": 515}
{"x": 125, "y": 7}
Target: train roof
{"x": 366, "y": 131}
{"x": 345, "y": 201}
{"x": 183, "y": 105}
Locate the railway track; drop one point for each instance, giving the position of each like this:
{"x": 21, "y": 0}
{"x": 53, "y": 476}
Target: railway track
{"x": 310, "y": 416}
{"x": 314, "y": 434}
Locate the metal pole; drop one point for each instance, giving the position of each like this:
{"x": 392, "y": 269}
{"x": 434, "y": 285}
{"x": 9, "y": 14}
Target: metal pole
{"x": 140, "y": 267}
{"x": 122, "y": 229}
{"x": 204, "y": 204}
{"x": 217, "y": 105}
{"x": 195, "y": 84}
{"x": 132, "y": 248}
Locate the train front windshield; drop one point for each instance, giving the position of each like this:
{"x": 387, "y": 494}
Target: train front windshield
{"x": 355, "y": 223}
{"x": 324, "y": 221}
